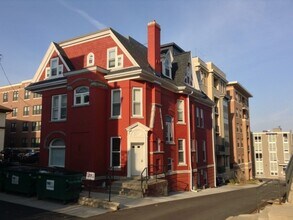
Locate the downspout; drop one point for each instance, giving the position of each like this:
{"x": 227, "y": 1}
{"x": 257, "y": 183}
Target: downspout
{"x": 189, "y": 140}
{"x": 213, "y": 143}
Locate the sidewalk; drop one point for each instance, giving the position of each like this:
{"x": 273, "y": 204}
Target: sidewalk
{"x": 125, "y": 202}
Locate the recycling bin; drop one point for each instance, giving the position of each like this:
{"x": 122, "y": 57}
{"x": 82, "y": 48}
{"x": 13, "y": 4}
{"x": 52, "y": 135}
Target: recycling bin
{"x": 59, "y": 184}
{"x": 21, "y": 179}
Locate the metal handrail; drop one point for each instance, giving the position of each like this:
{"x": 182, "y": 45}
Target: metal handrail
{"x": 143, "y": 179}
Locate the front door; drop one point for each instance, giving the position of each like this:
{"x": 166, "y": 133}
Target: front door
{"x": 137, "y": 159}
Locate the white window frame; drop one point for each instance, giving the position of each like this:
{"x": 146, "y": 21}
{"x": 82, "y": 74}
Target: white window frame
{"x": 52, "y": 147}
{"x": 169, "y": 133}
{"x": 90, "y": 57}
{"x": 167, "y": 64}
{"x": 82, "y": 96}
{"x": 181, "y": 151}
{"x": 15, "y": 95}
{"x": 134, "y": 102}
{"x": 118, "y": 59}
{"x": 58, "y": 67}
{"x": 14, "y": 112}
{"x": 5, "y": 97}
{"x": 196, "y": 149}
{"x": 58, "y": 108}
{"x": 170, "y": 164}
{"x": 26, "y": 111}
{"x": 112, "y": 103}
{"x": 111, "y": 152}
{"x": 180, "y": 111}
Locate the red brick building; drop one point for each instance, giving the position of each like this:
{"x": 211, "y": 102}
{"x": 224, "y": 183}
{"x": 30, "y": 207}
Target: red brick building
{"x": 109, "y": 101}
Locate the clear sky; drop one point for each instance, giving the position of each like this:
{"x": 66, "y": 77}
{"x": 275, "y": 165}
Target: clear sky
{"x": 249, "y": 40}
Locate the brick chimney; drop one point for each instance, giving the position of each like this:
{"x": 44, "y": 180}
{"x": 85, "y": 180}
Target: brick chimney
{"x": 154, "y": 46}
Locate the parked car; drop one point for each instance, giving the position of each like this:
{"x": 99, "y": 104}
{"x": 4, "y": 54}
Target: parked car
{"x": 31, "y": 157}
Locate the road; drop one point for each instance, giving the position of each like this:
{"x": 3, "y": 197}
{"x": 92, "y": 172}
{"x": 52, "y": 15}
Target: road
{"x": 216, "y": 206}
{"x": 10, "y": 211}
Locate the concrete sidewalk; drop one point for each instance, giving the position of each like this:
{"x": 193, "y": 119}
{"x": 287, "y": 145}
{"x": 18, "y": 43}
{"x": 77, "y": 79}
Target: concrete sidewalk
{"x": 125, "y": 202}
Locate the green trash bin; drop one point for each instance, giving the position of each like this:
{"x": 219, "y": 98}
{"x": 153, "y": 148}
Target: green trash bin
{"x": 59, "y": 184}
{"x": 21, "y": 179}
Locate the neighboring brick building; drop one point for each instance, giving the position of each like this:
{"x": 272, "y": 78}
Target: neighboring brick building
{"x": 240, "y": 142}
{"x": 23, "y": 124}
{"x": 3, "y": 112}
{"x": 213, "y": 82}
{"x": 272, "y": 152}
{"x": 109, "y": 101}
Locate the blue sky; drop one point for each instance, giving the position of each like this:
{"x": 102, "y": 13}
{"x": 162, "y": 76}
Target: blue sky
{"x": 249, "y": 40}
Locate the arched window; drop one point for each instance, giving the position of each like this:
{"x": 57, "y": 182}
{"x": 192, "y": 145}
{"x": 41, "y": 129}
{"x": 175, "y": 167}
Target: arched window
{"x": 81, "y": 95}
{"x": 57, "y": 153}
{"x": 90, "y": 59}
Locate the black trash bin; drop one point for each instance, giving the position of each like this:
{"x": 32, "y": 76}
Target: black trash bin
{"x": 59, "y": 184}
{"x": 20, "y": 179}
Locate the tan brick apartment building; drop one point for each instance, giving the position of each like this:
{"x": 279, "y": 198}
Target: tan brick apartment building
{"x": 239, "y": 120}
{"x": 213, "y": 83}
{"x": 3, "y": 112}
{"x": 272, "y": 152}
{"x": 23, "y": 124}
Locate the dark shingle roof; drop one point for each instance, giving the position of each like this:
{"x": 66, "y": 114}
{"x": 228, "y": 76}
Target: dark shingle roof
{"x": 64, "y": 56}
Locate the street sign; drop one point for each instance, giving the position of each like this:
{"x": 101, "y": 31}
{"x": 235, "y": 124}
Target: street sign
{"x": 90, "y": 176}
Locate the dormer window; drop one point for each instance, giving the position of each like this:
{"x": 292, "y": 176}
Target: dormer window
{"x": 55, "y": 70}
{"x": 188, "y": 75}
{"x": 167, "y": 65}
{"x": 114, "y": 60}
{"x": 90, "y": 59}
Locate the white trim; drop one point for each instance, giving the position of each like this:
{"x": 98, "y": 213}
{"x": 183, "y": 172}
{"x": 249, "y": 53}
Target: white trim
{"x": 140, "y": 102}
{"x": 82, "y": 96}
{"x": 56, "y": 147}
{"x": 88, "y": 59}
{"x": 116, "y": 116}
{"x": 182, "y": 151}
{"x": 59, "y": 108}
{"x": 111, "y": 150}
{"x": 180, "y": 102}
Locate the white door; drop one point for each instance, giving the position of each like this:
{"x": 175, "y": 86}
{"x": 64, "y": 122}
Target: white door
{"x": 137, "y": 159}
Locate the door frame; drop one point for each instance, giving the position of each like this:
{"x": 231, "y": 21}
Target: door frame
{"x": 137, "y": 133}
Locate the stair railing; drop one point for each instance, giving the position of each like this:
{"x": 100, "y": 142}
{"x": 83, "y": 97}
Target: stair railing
{"x": 143, "y": 178}
{"x": 110, "y": 178}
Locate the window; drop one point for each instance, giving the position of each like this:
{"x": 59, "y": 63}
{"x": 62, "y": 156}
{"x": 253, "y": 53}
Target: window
{"x": 26, "y": 110}
{"x": 285, "y": 137}
{"x": 37, "y": 109}
{"x": 37, "y": 95}
{"x": 137, "y": 102}
{"x": 201, "y": 118}
{"x": 15, "y": 96}
{"x": 167, "y": 65}
{"x": 27, "y": 94}
{"x": 274, "y": 168}
{"x": 169, "y": 165}
{"x": 24, "y": 142}
{"x": 36, "y": 126}
{"x": 5, "y": 97}
{"x": 188, "y": 75}
{"x": 197, "y": 117}
{"x": 204, "y": 152}
{"x": 115, "y": 103}
{"x": 59, "y": 107}
{"x": 90, "y": 59}
{"x": 181, "y": 151}
{"x": 180, "y": 111}
{"x": 115, "y": 152}
{"x": 14, "y": 112}
{"x": 81, "y": 96}
{"x": 114, "y": 60}
{"x": 57, "y": 153}
{"x": 271, "y": 137}
{"x": 25, "y": 126}
{"x": 13, "y": 127}
{"x": 35, "y": 142}
{"x": 257, "y": 138}
{"x": 169, "y": 129}
{"x": 196, "y": 149}
{"x": 55, "y": 70}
